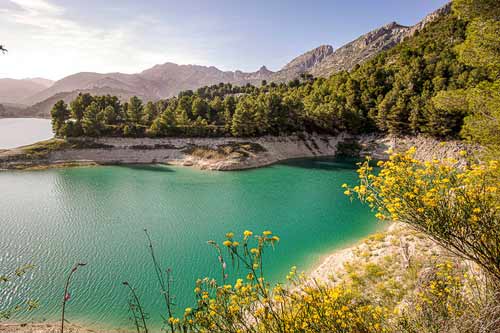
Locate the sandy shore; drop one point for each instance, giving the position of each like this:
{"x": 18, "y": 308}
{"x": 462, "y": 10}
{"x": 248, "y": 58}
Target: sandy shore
{"x": 396, "y": 241}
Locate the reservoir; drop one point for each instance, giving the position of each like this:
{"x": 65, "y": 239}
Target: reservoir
{"x": 96, "y": 215}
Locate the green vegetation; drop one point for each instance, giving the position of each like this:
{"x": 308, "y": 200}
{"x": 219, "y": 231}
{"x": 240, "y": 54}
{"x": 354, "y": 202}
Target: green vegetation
{"x": 234, "y": 149}
{"x": 43, "y": 148}
{"x": 393, "y": 92}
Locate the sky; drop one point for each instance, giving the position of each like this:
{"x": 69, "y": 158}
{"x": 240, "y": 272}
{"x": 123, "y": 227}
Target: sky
{"x": 56, "y": 38}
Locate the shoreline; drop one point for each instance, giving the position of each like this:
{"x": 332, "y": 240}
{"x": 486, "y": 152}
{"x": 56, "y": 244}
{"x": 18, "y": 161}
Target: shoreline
{"x": 221, "y": 154}
{"x": 218, "y": 154}
{"x": 335, "y": 260}
{"x": 341, "y": 250}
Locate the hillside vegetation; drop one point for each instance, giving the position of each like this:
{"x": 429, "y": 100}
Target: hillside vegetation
{"x": 393, "y": 92}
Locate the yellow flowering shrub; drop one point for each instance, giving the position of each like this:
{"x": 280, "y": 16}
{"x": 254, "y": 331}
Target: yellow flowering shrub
{"x": 440, "y": 300}
{"x": 368, "y": 295}
{"x": 457, "y": 207}
{"x": 251, "y": 304}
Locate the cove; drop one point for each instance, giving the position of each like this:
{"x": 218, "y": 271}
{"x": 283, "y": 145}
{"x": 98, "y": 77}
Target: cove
{"x": 55, "y": 218}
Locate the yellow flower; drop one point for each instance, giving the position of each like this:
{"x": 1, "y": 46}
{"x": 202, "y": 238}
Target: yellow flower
{"x": 227, "y": 243}
{"x": 247, "y": 233}
{"x": 267, "y": 233}
{"x": 230, "y": 235}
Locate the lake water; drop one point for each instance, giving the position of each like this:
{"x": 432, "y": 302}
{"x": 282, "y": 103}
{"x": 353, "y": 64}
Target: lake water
{"x": 96, "y": 215}
{"x": 16, "y": 132}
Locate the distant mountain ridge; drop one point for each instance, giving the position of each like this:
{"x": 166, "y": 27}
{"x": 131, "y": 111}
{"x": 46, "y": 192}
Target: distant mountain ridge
{"x": 13, "y": 91}
{"x": 160, "y": 81}
{"x": 166, "y": 80}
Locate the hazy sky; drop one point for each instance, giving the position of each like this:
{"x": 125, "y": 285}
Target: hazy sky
{"x": 55, "y": 38}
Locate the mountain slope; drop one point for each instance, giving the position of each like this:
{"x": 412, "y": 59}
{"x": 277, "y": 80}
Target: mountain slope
{"x": 303, "y": 63}
{"x": 15, "y": 91}
{"x": 91, "y": 81}
{"x": 361, "y": 49}
{"x": 370, "y": 44}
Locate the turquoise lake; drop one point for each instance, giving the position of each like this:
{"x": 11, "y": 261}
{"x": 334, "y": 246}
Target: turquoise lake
{"x": 96, "y": 215}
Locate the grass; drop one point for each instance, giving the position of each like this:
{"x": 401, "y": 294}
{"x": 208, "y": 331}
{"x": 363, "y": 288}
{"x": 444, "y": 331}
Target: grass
{"x": 41, "y": 149}
{"x": 233, "y": 149}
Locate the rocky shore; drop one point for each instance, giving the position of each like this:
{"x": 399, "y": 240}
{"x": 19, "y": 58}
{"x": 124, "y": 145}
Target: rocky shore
{"x": 216, "y": 153}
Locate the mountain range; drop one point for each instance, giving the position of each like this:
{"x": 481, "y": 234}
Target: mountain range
{"x": 35, "y": 97}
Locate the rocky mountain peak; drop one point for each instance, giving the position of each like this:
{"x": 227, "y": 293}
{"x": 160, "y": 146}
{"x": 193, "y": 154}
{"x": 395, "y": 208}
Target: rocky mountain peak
{"x": 309, "y": 59}
{"x": 392, "y": 25}
{"x": 446, "y": 9}
{"x": 370, "y": 44}
{"x": 264, "y": 70}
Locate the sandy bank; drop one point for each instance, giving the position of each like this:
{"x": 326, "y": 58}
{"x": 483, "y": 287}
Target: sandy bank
{"x": 397, "y": 241}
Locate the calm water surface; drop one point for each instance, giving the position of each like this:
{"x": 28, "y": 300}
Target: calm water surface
{"x": 55, "y": 218}
{"x": 16, "y": 132}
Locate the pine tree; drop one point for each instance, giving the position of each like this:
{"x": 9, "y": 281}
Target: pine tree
{"x": 60, "y": 114}
{"x": 91, "y": 124}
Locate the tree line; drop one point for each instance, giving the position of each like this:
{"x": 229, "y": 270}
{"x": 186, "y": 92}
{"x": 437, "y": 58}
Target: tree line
{"x": 394, "y": 92}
